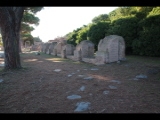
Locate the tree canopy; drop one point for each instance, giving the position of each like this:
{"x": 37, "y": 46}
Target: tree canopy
{"x": 139, "y": 26}
{"x": 29, "y": 19}
{"x": 11, "y": 20}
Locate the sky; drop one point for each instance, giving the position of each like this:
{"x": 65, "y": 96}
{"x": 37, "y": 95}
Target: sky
{"x": 59, "y": 21}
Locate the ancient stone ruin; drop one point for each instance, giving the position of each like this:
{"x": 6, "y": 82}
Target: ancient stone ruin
{"x": 58, "y": 48}
{"x": 85, "y": 49}
{"x": 51, "y": 47}
{"x": 110, "y": 49}
{"x": 43, "y": 47}
{"x": 37, "y": 46}
{"x": 46, "y": 48}
{"x": 67, "y": 50}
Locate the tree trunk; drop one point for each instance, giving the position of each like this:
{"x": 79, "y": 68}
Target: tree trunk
{"x": 10, "y": 21}
{"x": 20, "y": 45}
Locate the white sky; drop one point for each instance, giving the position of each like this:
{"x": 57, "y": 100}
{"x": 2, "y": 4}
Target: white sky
{"x": 58, "y": 21}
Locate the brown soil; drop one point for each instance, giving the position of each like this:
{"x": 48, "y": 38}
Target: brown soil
{"x": 37, "y": 88}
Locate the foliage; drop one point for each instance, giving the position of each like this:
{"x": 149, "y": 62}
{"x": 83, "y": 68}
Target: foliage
{"x": 37, "y": 39}
{"x": 121, "y": 12}
{"x": 149, "y": 37}
{"x": 138, "y": 25}
{"x": 33, "y": 10}
{"x": 127, "y": 28}
{"x": 27, "y": 37}
{"x": 97, "y": 32}
{"x": 29, "y": 19}
{"x": 155, "y": 11}
{"x": 82, "y": 34}
{"x": 102, "y": 17}
{"x": 71, "y": 37}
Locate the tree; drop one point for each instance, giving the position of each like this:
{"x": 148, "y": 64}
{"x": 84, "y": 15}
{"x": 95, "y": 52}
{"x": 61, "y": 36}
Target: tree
{"x": 97, "y": 31}
{"x": 29, "y": 19}
{"x": 149, "y": 37}
{"x": 72, "y": 36}
{"x": 10, "y": 23}
{"x": 82, "y": 34}
{"x": 102, "y": 17}
{"x": 127, "y": 28}
{"x": 37, "y": 39}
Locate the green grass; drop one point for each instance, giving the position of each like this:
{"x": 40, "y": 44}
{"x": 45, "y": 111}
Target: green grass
{"x": 144, "y": 59}
{"x": 153, "y": 61}
{"x": 57, "y": 58}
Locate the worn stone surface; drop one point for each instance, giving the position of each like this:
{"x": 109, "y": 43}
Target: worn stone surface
{"x": 48, "y": 50}
{"x": 82, "y": 88}
{"x": 94, "y": 69}
{"x": 51, "y": 47}
{"x": 110, "y": 49}
{"x": 112, "y": 87}
{"x": 45, "y": 47}
{"x": 141, "y": 76}
{"x": 82, "y": 106}
{"x": 1, "y": 80}
{"x": 116, "y": 81}
{"x": 54, "y": 52}
{"x": 63, "y": 53}
{"x": 69, "y": 75}
{"x": 69, "y": 49}
{"x": 77, "y": 55}
{"x": 59, "y": 46}
{"x": 70, "y": 57}
{"x": 106, "y": 92}
{"x": 37, "y": 46}
{"x": 88, "y": 60}
{"x": 100, "y": 58}
{"x": 73, "y": 97}
{"x": 88, "y": 78}
{"x": 85, "y": 49}
{"x": 57, "y": 70}
{"x": 80, "y": 75}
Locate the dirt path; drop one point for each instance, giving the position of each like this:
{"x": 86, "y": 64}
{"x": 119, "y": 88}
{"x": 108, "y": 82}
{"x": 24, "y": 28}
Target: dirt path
{"x": 110, "y": 88}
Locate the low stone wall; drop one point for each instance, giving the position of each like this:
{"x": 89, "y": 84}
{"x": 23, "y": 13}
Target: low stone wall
{"x": 59, "y": 55}
{"x": 89, "y": 60}
{"x": 110, "y": 49}
{"x": 71, "y": 57}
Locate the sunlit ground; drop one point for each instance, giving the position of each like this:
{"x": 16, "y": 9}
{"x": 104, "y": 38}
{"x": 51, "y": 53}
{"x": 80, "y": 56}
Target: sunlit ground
{"x": 55, "y": 59}
{"x": 99, "y": 77}
{"x": 30, "y": 60}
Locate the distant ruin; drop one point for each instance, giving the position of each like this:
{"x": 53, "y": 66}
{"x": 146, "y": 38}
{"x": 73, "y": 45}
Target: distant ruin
{"x": 51, "y": 47}
{"x": 37, "y": 46}
{"x": 67, "y": 50}
{"x": 110, "y": 49}
{"x": 58, "y": 47}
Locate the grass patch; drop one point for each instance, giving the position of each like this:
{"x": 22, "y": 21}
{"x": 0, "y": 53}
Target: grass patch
{"x": 150, "y": 61}
{"x": 144, "y": 59}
